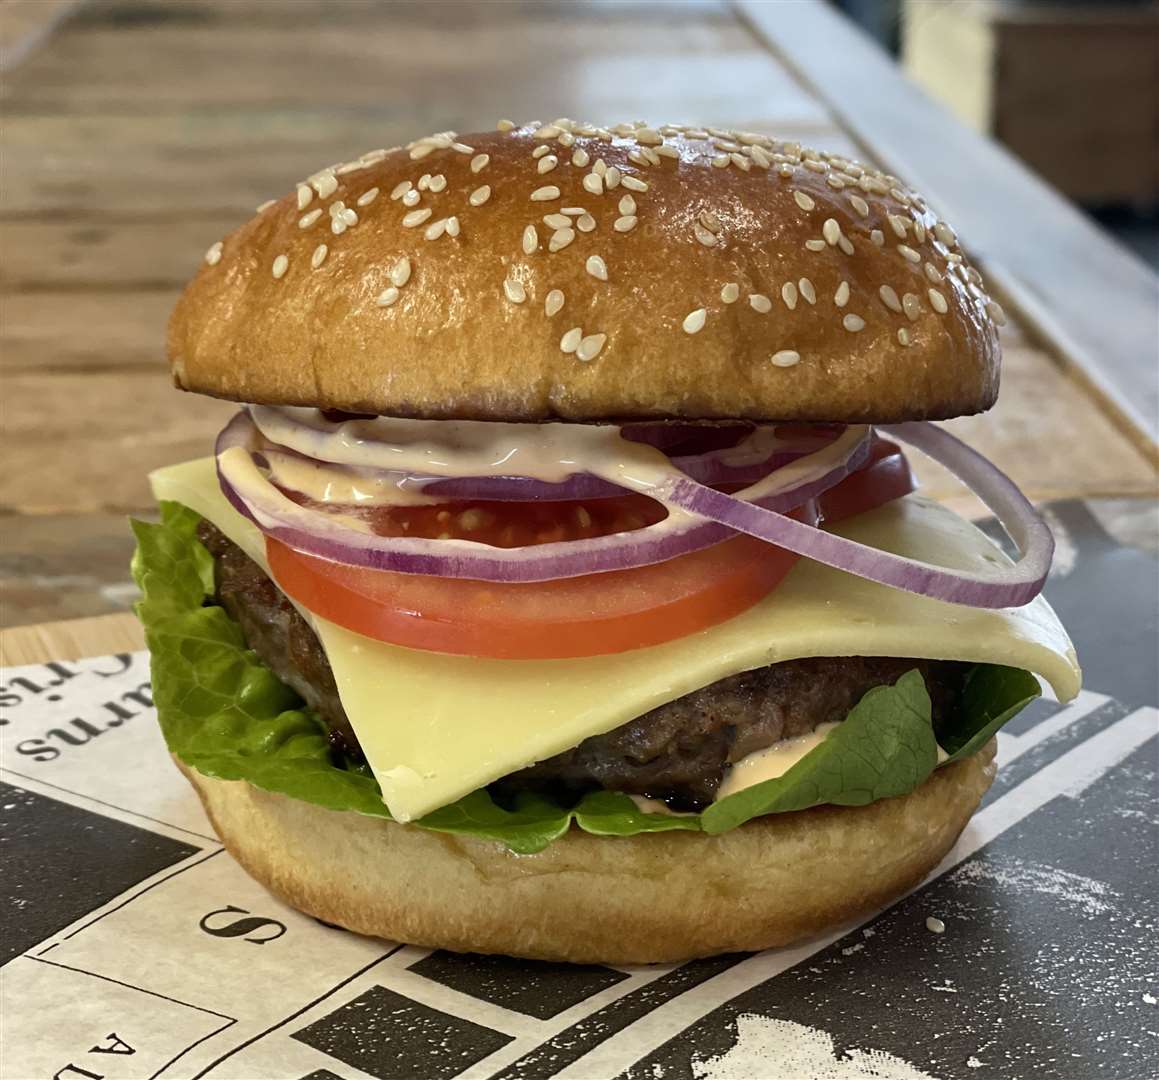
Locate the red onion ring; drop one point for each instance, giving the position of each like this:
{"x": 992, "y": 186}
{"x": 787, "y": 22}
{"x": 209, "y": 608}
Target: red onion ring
{"x": 1009, "y": 586}
{"x": 323, "y": 534}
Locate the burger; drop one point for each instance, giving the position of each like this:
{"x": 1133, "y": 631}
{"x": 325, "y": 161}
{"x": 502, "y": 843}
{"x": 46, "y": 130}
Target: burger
{"x": 560, "y": 588}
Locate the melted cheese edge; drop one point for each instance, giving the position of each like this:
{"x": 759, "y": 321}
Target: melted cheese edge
{"x": 435, "y": 727}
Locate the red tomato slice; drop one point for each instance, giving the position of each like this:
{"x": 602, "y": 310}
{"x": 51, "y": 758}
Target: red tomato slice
{"x": 584, "y": 616}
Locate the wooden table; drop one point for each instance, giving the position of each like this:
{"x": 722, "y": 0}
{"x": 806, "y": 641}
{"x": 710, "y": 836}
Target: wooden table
{"x": 137, "y": 133}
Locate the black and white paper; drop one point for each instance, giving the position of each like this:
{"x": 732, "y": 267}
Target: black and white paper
{"x": 135, "y": 947}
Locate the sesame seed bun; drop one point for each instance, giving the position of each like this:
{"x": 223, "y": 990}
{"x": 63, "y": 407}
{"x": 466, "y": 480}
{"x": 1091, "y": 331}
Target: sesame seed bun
{"x": 681, "y": 274}
{"x": 656, "y": 897}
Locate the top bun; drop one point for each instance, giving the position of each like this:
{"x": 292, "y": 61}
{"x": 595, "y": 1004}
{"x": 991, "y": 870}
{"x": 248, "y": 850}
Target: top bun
{"x": 581, "y": 273}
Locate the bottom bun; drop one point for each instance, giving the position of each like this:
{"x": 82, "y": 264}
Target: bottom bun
{"x": 648, "y": 898}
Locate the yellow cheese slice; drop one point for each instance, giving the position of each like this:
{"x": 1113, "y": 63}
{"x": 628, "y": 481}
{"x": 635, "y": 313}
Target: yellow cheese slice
{"x": 434, "y": 727}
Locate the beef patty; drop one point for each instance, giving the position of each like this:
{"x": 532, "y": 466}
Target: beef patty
{"x": 678, "y": 752}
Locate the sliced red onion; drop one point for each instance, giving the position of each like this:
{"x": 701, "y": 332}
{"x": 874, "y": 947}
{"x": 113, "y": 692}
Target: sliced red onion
{"x": 1007, "y": 586}
{"x": 369, "y": 447}
{"x": 349, "y": 541}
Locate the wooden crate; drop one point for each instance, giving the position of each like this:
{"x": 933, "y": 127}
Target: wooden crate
{"x": 1071, "y": 88}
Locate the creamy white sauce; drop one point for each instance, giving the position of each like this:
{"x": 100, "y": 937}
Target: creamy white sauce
{"x": 326, "y": 483}
{"x": 547, "y": 452}
{"x": 773, "y": 761}
{"x": 654, "y": 806}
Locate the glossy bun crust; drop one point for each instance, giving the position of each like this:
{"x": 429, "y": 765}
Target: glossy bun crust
{"x": 658, "y": 897}
{"x": 418, "y": 282}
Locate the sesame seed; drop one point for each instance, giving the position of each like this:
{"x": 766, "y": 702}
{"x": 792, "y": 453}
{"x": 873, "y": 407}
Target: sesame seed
{"x": 889, "y": 298}
{"x": 305, "y": 194}
{"x": 543, "y": 194}
{"x": 505, "y": 125}
{"x": 387, "y": 297}
{"x": 911, "y": 305}
{"x": 480, "y": 195}
{"x": 937, "y": 301}
{"x": 281, "y": 265}
{"x": 730, "y": 293}
{"x": 783, "y": 169}
{"x": 213, "y": 255}
{"x": 546, "y": 164}
{"x": 908, "y": 253}
{"x": 438, "y": 182}
{"x": 835, "y": 182}
{"x": 580, "y": 158}
{"x": 553, "y": 303}
{"x": 789, "y": 295}
{"x": 416, "y": 217}
{"x": 785, "y": 358}
{"x": 919, "y": 232}
{"x": 622, "y": 224}
{"x": 831, "y": 231}
{"x": 853, "y": 323}
{"x": 710, "y": 220}
{"x": 325, "y": 183}
{"x": 612, "y": 178}
{"x": 841, "y": 296}
{"x": 367, "y": 197}
{"x": 548, "y": 131}
{"x": 807, "y": 290}
{"x": 435, "y": 229}
{"x": 720, "y": 161}
{"x": 573, "y": 211}
{"x": 566, "y": 138}
{"x": 994, "y": 309}
{"x": 530, "y": 240}
{"x": 803, "y": 200}
{"x": 560, "y": 239}
{"x": 845, "y": 244}
{"x": 571, "y": 340}
{"x": 597, "y": 267}
{"x": 515, "y": 291}
{"x": 637, "y": 158}
{"x": 667, "y": 151}
{"x": 936, "y": 926}
{"x": 878, "y": 237}
{"x": 540, "y": 150}
{"x": 902, "y": 336}
{"x": 557, "y": 221}
{"x": 945, "y": 234}
{"x": 815, "y": 166}
{"x": 649, "y": 136}
{"x": 600, "y": 168}
{"x": 412, "y": 197}
{"x": 319, "y": 256}
{"x": 421, "y": 151}
{"x": 593, "y": 183}
{"x": 708, "y": 239}
{"x": 760, "y": 158}
{"x": 349, "y": 218}
{"x": 265, "y": 206}
{"x": 859, "y": 204}
{"x": 760, "y": 302}
{"x": 633, "y": 183}
{"x": 400, "y": 272}
{"x": 336, "y": 208}
{"x": 973, "y": 276}
{"x": 627, "y": 205}
{"x": 694, "y": 321}
{"x": 308, "y": 219}
{"x": 400, "y": 189}
{"x": 898, "y": 224}
{"x": 589, "y": 348}
{"x": 816, "y": 245}
{"x": 932, "y": 274}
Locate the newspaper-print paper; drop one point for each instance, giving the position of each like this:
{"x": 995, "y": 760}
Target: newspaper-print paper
{"x": 135, "y": 947}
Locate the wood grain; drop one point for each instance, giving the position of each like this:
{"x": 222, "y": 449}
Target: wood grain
{"x": 70, "y": 639}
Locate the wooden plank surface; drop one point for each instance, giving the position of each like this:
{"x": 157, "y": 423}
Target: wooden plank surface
{"x": 70, "y": 639}
{"x": 139, "y": 133}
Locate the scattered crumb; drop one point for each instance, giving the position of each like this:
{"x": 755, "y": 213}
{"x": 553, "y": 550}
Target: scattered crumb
{"x": 935, "y": 925}
{"x": 1150, "y": 999}
{"x": 973, "y": 1063}
{"x": 852, "y": 949}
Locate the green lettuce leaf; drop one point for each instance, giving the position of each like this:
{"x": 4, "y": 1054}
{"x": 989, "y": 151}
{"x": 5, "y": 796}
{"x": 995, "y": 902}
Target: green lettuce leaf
{"x": 227, "y": 715}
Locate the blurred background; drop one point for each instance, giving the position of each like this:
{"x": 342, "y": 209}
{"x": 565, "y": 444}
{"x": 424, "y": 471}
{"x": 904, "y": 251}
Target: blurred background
{"x": 135, "y": 133}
